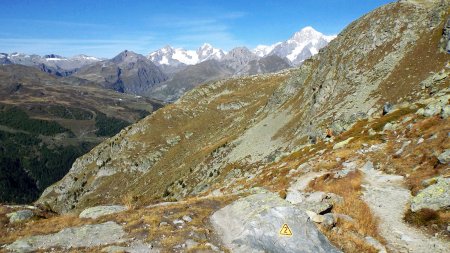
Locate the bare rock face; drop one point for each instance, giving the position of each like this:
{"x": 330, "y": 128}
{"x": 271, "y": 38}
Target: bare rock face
{"x": 255, "y": 224}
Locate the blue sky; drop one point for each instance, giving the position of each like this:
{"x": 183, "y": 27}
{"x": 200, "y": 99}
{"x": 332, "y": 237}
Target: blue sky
{"x": 106, "y": 27}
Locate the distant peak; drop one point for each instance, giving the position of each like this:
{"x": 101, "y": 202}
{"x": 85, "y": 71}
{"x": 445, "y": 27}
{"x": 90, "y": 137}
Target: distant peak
{"x": 205, "y": 46}
{"x": 49, "y": 56}
{"x": 306, "y": 33}
{"x": 126, "y": 54}
{"x": 308, "y": 29}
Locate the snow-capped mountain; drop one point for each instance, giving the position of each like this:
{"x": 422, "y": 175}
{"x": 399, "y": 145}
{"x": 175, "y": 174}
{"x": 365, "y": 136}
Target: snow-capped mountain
{"x": 301, "y": 46}
{"x": 208, "y": 52}
{"x": 263, "y": 50}
{"x": 51, "y": 63}
{"x": 178, "y": 56}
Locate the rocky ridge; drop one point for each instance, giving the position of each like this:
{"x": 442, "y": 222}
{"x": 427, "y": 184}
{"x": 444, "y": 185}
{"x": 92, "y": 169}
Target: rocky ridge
{"x": 128, "y": 72}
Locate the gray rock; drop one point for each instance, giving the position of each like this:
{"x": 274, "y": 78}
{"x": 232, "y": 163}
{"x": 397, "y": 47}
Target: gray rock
{"x": 342, "y": 143}
{"x": 348, "y": 167}
{"x": 20, "y": 216}
{"x": 317, "y": 207}
{"x": 315, "y": 196}
{"x": 178, "y": 222}
{"x": 84, "y": 236}
{"x": 98, "y": 211}
{"x": 432, "y": 109}
{"x": 295, "y": 197}
{"x": 253, "y": 224}
{"x": 317, "y": 218}
{"x": 329, "y": 221}
{"x": 187, "y": 218}
{"x": 173, "y": 140}
{"x": 436, "y": 196}
{"x": 444, "y": 157}
{"x": 387, "y": 108}
{"x": 432, "y": 79}
{"x": 317, "y": 202}
{"x": 390, "y": 127}
{"x": 445, "y": 113}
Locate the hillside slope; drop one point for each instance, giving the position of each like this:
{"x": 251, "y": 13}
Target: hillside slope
{"x": 47, "y": 123}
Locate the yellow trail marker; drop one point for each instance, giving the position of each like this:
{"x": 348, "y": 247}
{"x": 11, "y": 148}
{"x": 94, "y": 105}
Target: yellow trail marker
{"x": 285, "y": 230}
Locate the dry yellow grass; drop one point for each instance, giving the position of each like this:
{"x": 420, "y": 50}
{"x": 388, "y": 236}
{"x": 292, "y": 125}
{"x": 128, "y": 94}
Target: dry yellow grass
{"x": 11, "y": 232}
{"x": 142, "y": 223}
{"x": 365, "y": 224}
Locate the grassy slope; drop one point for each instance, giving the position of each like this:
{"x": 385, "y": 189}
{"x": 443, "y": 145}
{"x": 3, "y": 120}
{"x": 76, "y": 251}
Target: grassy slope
{"x": 46, "y": 124}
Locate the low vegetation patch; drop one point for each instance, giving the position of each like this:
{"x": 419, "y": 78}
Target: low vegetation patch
{"x": 434, "y": 222}
{"x": 350, "y": 235}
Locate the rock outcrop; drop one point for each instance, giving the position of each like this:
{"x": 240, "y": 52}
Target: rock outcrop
{"x": 436, "y": 196}
{"x": 255, "y": 224}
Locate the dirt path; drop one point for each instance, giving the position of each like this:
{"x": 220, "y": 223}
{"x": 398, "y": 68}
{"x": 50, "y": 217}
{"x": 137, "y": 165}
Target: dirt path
{"x": 388, "y": 198}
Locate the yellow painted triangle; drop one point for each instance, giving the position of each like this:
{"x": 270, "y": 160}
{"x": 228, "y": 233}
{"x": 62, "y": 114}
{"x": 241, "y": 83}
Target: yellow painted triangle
{"x": 285, "y": 230}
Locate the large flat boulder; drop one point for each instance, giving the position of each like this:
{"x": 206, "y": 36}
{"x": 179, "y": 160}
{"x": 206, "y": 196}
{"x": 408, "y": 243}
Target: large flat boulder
{"x": 76, "y": 237}
{"x": 257, "y": 223}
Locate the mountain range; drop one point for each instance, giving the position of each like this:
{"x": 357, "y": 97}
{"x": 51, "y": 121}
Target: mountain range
{"x": 52, "y": 64}
{"x": 168, "y": 73}
{"x": 302, "y": 45}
